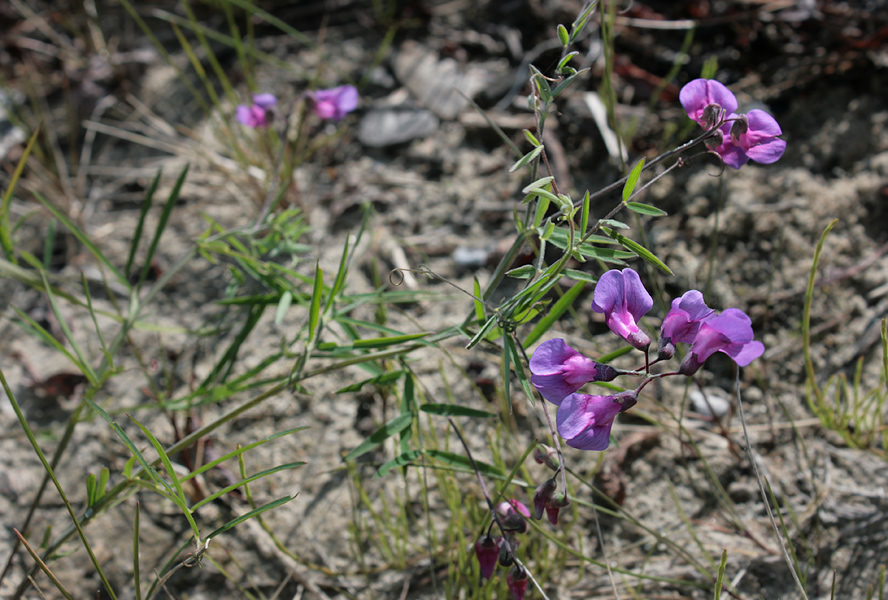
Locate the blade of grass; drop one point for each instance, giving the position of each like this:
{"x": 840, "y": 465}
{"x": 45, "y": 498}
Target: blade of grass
{"x": 51, "y": 473}
{"x": 140, "y": 225}
{"x": 43, "y": 567}
{"x": 5, "y": 233}
{"x": 161, "y": 224}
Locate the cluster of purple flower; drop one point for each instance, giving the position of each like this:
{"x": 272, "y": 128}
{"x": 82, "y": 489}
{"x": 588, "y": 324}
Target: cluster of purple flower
{"x": 738, "y": 137}
{"x": 558, "y": 371}
{"x": 490, "y": 550}
{"x": 332, "y": 104}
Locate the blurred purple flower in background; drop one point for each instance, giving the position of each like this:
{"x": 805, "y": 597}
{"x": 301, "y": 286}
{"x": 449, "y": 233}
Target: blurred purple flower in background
{"x": 558, "y": 370}
{"x": 335, "y": 103}
{"x": 730, "y": 333}
{"x": 258, "y": 114}
{"x": 621, "y": 296}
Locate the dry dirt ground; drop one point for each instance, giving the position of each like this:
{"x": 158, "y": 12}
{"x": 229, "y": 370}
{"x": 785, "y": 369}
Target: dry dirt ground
{"x": 442, "y": 197}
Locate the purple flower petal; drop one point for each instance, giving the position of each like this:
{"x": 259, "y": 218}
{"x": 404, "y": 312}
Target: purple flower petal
{"x": 264, "y": 100}
{"x": 621, "y": 296}
{"x": 696, "y": 95}
{"x": 762, "y": 124}
{"x": 335, "y": 103}
{"x": 746, "y": 353}
{"x": 683, "y": 320}
{"x": 585, "y": 421}
{"x": 767, "y": 152}
{"x": 558, "y": 370}
{"x": 730, "y": 333}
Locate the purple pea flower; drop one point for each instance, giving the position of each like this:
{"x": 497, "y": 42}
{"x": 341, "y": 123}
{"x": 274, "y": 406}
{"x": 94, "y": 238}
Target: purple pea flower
{"x": 335, "y": 103}
{"x": 750, "y": 136}
{"x": 258, "y": 114}
{"x": 558, "y": 370}
{"x": 706, "y": 101}
{"x": 513, "y": 515}
{"x": 731, "y": 333}
{"x": 682, "y": 322}
{"x": 487, "y": 549}
{"x": 585, "y": 421}
{"x": 621, "y": 296}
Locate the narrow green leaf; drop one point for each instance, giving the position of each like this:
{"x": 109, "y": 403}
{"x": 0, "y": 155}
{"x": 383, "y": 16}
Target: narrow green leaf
{"x": 393, "y": 427}
{"x": 584, "y": 215}
{"x": 720, "y": 578}
{"x": 580, "y": 276}
{"x": 140, "y": 225}
{"x": 454, "y": 410}
{"x": 382, "y": 342}
{"x": 171, "y": 474}
{"x": 233, "y": 486}
{"x": 632, "y": 180}
{"x": 646, "y": 209}
{"x": 162, "y": 223}
{"x": 383, "y": 379}
{"x": 531, "y": 138}
{"x": 282, "y": 307}
{"x": 518, "y": 367}
{"x": 84, "y": 239}
{"x": 66, "y": 331}
{"x": 482, "y": 333}
{"x": 526, "y": 159}
{"x": 5, "y": 233}
{"x": 315, "y": 307}
{"x": 339, "y": 282}
{"x": 568, "y": 81}
{"x": 462, "y": 463}
{"x": 48, "y": 338}
{"x": 244, "y": 517}
{"x": 542, "y": 181}
{"x": 558, "y": 309}
{"x": 614, "y": 223}
{"x": 522, "y": 272}
{"x": 563, "y": 62}
{"x": 402, "y": 460}
{"x": 480, "y": 314}
{"x": 643, "y": 252}
{"x": 91, "y": 489}
{"x": 541, "y": 208}
{"x": 563, "y": 35}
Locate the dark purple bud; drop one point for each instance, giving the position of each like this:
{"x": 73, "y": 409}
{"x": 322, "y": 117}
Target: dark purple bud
{"x": 487, "y": 549}
{"x": 506, "y": 550}
{"x": 558, "y": 501}
{"x": 543, "y": 496}
{"x": 516, "y": 579}
{"x": 665, "y": 349}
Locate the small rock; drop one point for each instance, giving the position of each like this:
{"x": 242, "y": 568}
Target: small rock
{"x": 467, "y": 257}
{"x": 712, "y": 404}
{"x": 387, "y": 127}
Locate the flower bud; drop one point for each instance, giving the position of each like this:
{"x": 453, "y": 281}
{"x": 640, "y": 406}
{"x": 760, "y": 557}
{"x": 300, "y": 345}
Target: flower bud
{"x": 711, "y": 115}
{"x": 558, "y": 501}
{"x": 546, "y": 455}
{"x": 487, "y": 549}
{"x": 516, "y": 580}
{"x": 512, "y": 515}
{"x": 740, "y": 126}
{"x": 543, "y": 496}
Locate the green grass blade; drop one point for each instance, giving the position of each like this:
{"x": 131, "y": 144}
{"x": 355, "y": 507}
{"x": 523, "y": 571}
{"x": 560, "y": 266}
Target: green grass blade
{"x": 245, "y": 480}
{"x": 84, "y": 239}
{"x": 69, "y": 335}
{"x": 5, "y": 233}
{"x": 137, "y": 576}
{"x": 48, "y": 338}
{"x": 246, "y": 516}
{"x": 161, "y": 223}
{"x": 393, "y": 427}
{"x": 171, "y": 473}
{"x": 140, "y": 225}
{"x": 454, "y": 410}
{"x": 720, "y": 578}
{"x": 314, "y": 311}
